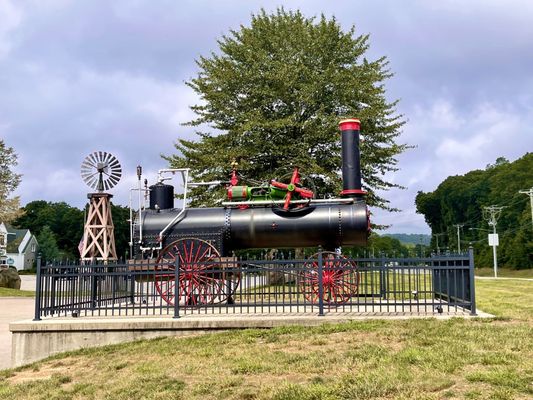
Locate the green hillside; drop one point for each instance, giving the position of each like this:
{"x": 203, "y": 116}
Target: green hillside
{"x": 410, "y": 238}
{"x": 461, "y": 200}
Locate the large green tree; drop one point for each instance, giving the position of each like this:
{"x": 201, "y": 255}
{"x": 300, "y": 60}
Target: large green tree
{"x": 272, "y": 96}
{"x": 9, "y": 180}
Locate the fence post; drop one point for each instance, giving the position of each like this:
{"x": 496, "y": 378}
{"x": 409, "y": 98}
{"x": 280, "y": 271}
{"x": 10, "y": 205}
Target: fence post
{"x": 320, "y": 283}
{"x": 93, "y": 268}
{"x": 37, "y": 316}
{"x": 384, "y": 276}
{"x": 176, "y": 288}
{"x": 472, "y": 281}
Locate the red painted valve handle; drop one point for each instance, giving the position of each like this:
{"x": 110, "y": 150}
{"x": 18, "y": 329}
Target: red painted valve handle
{"x": 291, "y": 187}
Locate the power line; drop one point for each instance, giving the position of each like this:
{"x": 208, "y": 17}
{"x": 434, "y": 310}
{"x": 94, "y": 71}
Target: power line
{"x": 502, "y": 233}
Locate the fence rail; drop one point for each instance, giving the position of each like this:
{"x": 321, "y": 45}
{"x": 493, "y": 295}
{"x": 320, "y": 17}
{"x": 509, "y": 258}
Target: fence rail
{"x": 324, "y": 284}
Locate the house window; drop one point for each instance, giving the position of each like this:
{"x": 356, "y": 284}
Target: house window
{"x": 33, "y": 248}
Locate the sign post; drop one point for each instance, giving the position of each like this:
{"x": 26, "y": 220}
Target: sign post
{"x": 494, "y": 241}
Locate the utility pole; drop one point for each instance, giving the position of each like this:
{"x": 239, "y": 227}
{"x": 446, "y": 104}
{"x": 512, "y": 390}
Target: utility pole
{"x": 530, "y": 193}
{"x": 459, "y": 226}
{"x": 437, "y": 237}
{"x": 492, "y": 213}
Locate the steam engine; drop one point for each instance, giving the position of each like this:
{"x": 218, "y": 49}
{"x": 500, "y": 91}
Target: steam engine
{"x": 279, "y": 215}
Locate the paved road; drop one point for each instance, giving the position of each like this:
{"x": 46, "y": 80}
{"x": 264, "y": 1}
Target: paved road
{"x": 14, "y": 309}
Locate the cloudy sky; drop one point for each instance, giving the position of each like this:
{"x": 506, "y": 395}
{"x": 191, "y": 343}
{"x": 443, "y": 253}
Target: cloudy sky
{"x": 79, "y": 76}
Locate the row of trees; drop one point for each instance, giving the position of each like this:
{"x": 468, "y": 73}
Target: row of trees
{"x": 460, "y": 200}
{"x": 386, "y": 246}
{"x": 59, "y": 227}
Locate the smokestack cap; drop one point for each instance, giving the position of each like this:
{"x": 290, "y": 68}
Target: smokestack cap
{"x": 352, "y": 124}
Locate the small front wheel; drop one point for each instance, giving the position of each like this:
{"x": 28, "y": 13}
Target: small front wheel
{"x": 340, "y": 279}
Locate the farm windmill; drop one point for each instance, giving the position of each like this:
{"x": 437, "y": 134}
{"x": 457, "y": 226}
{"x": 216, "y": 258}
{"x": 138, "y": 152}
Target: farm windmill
{"x": 100, "y": 171}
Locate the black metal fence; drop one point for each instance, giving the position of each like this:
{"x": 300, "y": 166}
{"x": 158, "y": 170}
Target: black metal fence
{"x": 325, "y": 283}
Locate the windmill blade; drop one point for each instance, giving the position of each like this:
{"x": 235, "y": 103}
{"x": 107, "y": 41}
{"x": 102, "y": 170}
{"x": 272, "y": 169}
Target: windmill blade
{"x": 105, "y": 158}
{"x": 88, "y": 176}
{"x": 94, "y": 159}
{"x": 112, "y": 181}
{"x": 92, "y": 182}
{"x": 109, "y": 158}
{"x": 114, "y": 162}
{"x": 87, "y": 163}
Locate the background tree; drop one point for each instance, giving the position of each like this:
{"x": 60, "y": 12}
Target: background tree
{"x": 9, "y": 180}
{"x": 48, "y": 244}
{"x": 461, "y": 199}
{"x": 382, "y": 246}
{"x": 63, "y": 220}
{"x": 274, "y": 94}
{"x": 121, "y": 217}
{"x": 66, "y": 223}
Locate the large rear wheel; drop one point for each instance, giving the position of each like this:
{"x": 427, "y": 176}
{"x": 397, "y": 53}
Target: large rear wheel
{"x": 202, "y": 279}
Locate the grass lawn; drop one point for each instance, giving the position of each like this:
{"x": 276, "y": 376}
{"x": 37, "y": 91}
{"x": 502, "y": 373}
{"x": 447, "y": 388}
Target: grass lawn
{"x": 505, "y": 272}
{"x": 5, "y": 292}
{"x": 378, "y": 359}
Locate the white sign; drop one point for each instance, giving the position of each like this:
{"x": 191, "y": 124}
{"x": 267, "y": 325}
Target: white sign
{"x": 493, "y": 239}
{"x": 10, "y": 261}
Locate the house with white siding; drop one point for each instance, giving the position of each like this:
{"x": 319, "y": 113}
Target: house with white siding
{"x": 18, "y": 247}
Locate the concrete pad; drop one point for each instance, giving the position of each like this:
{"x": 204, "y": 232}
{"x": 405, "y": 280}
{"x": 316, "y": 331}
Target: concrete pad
{"x": 35, "y": 340}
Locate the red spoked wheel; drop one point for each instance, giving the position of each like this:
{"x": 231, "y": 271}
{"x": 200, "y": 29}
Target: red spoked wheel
{"x": 294, "y": 186}
{"x": 340, "y": 279}
{"x": 202, "y": 278}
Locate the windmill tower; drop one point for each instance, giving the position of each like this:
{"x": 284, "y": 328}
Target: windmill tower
{"x": 100, "y": 171}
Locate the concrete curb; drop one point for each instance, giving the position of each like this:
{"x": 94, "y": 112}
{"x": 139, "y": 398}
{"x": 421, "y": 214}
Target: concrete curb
{"x": 211, "y": 322}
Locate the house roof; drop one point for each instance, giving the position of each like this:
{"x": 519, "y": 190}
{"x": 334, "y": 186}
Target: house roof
{"x": 14, "y": 238}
